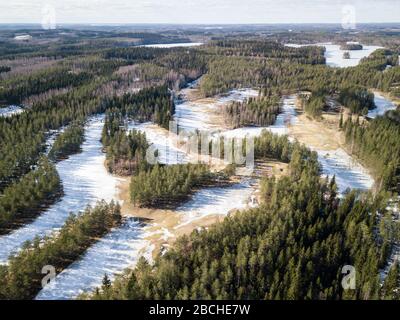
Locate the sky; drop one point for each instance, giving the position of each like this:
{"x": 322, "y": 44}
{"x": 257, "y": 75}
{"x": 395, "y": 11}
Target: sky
{"x": 199, "y": 11}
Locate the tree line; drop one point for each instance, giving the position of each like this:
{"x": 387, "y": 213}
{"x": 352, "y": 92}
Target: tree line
{"x": 29, "y": 196}
{"x": 253, "y": 112}
{"x": 358, "y": 100}
{"x": 68, "y": 142}
{"x": 150, "y": 104}
{"x": 16, "y": 89}
{"x": 165, "y": 186}
{"x": 4, "y": 69}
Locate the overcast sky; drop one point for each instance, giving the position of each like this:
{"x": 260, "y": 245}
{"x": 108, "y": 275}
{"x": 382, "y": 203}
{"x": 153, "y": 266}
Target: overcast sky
{"x": 197, "y": 11}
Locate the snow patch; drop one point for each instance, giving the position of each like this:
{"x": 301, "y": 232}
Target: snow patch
{"x": 347, "y": 171}
{"x": 163, "y": 141}
{"x": 216, "y": 201}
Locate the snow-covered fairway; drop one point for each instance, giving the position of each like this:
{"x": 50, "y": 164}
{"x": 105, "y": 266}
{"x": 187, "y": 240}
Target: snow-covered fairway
{"x": 111, "y": 255}
{"x": 349, "y": 174}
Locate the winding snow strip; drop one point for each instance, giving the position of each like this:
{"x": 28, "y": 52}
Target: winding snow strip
{"x": 382, "y": 106}
{"x": 85, "y": 180}
{"x": 111, "y": 255}
{"x": 348, "y": 172}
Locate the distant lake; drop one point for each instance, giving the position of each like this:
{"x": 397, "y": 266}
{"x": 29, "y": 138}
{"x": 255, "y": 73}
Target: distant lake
{"x": 334, "y": 55}
{"x": 173, "y": 45}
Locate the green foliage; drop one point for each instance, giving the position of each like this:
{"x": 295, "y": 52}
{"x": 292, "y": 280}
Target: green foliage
{"x": 153, "y": 104}
{"x": 391, "y": 285}
{"x": 314, "y": 105}
{"x": 126, "y": 151}
{"x": 22, "y": 137}
{"x": 377, "y": 144}
{"x": 259, "y": 112}
{"x": 358, "y": 100}
{"x": 21, "y": 87}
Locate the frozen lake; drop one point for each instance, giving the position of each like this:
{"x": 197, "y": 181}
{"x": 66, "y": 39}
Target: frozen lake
{"x": 334, "y": 55}
{"x": 85, "y": 180}
{"x": 382, "y": 106}
{"x": 174, "y": 45}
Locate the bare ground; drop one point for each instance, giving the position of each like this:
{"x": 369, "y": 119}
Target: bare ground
{"x": 323, "y": 134}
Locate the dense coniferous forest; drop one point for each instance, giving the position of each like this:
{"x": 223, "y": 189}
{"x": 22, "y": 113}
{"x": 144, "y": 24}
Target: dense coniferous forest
{"x": 126, "y": 151}
{"x": 4, "y": 69}
{"x": 254, "y": 111}
{"x": 358, "y": 100}
{"x": 351, "y": 46}
{"x": 152, "y": 104}
{"x": 68, "y": 142}
{"x": 314, "y": 105}
{"x": 19, "y": 88}
{"x": 21, "y": 278}
{"x": 165, "y": 186}
{"x": 377, "y": 144}
{"x": 269, "y": 145}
